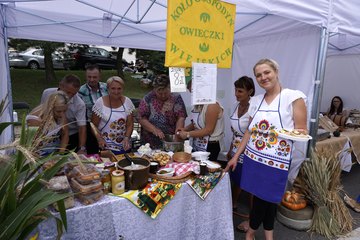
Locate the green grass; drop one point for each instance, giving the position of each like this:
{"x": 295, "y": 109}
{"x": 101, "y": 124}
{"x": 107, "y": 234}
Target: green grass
{"x": 28, "y": 85}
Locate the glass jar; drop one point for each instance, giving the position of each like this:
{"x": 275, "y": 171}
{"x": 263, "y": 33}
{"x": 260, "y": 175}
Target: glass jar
{"x": 118, "y": 182}
{"x": 106, "y": 180}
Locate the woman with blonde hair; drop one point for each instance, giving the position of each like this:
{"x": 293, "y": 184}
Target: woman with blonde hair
{"x": 268, "y": 156}
{"x": 113, "y": 118}
{"x": 51, "y": 120}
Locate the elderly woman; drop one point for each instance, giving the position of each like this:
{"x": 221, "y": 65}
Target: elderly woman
{"x": 206, "y": 128}
{"x": 113, "y": 118}
{"x": 267, "y": 156}
{"x": 51, "y": 119}
{"x": 160, "y": 112}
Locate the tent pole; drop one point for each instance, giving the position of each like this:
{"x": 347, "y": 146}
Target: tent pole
{"x": 318, "y": 88}
{"x": 8, "y": 135}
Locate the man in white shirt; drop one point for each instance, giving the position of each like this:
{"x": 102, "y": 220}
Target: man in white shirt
{"x": 75, "y": 114}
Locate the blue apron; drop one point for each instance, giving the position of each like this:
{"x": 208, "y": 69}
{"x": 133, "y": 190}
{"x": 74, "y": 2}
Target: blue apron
{"x": 267, "y": 156}
{"x": 238, "y": 128}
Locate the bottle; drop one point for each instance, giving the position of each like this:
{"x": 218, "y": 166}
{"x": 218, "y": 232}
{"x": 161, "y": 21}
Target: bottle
{"x": 106, "y": 180}
{"x": 118, "y": 182}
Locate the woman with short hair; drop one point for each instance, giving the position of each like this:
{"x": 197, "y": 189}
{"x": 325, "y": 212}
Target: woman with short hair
{"x": 113, "y": 118}
{"x": 160, "y": 112}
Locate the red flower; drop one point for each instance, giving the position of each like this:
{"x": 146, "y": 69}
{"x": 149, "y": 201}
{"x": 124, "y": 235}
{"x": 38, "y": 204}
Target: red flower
{"x": 264, "y": 125}
{"x": 260, "y": 145}
{"x": 282, "y": 143}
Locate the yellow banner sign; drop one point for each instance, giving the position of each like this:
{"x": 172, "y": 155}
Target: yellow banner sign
{"x": 199, "y": 31}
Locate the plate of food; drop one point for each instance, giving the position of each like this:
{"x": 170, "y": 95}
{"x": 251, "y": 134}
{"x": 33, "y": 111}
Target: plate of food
{"x": 294, "y": 135}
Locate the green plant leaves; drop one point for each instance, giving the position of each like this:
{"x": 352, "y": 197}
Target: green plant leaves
{"x": 23, "y": 199}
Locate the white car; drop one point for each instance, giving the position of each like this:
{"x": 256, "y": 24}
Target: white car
{"x": 34, "y": 59}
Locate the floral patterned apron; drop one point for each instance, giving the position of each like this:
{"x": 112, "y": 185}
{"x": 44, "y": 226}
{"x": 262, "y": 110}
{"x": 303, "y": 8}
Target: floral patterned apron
{"x": 238, "y": 128}
{"x": 114, "y": 130}
{"x": 199, "y": 144}
{"x": 267, "y": 157}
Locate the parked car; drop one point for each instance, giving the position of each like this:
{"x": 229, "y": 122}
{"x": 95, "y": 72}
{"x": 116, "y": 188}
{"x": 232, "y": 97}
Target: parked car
{"x": 33, "y": 59}
{"x": 81, "y": 57}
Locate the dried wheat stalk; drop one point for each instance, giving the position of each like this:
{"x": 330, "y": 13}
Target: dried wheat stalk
{"x": 319, "y": 180}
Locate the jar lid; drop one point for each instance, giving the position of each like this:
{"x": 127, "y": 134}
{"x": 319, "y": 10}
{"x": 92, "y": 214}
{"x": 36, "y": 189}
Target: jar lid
{"x": 117, "y": 173}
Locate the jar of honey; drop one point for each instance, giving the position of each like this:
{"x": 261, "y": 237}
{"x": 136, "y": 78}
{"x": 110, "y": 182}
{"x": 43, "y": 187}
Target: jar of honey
{"x": 118, "y": 182}
{"x": 106, "y": 180}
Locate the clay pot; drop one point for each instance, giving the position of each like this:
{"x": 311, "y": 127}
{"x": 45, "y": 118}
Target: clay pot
{"x": 135, "y": 177}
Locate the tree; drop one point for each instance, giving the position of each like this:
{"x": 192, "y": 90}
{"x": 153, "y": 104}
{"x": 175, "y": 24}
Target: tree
{"x": 48, "y": 47}
{"x": 154, "y": 59}
{"x": 119, "y": 63}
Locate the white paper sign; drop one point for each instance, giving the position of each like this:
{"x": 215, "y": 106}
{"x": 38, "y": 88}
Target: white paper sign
{"x": 177, "y": 79}
{"x": 204, "y": 83}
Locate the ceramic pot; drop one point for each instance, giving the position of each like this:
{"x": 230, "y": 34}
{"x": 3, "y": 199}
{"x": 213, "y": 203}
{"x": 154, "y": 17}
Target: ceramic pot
{"x": 137, "y": 177}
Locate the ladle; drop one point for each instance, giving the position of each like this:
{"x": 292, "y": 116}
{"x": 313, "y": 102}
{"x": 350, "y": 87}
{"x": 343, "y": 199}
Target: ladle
{"x": 130, "y": 160}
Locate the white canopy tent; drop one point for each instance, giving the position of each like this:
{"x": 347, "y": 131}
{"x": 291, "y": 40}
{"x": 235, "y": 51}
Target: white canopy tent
{"x": 298, "y": 34}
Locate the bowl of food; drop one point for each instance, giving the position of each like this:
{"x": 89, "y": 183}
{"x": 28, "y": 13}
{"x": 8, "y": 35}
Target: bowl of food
{"x": 166, "y": 172}
{"x": 171, "y": 143}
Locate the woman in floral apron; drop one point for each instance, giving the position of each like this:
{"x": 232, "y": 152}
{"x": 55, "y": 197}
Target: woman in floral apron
{"x": 267, "y": 157}
{"x": 239, "y": 120}
{"x": 206, "y": 128}
{"x": 112, "y": 115}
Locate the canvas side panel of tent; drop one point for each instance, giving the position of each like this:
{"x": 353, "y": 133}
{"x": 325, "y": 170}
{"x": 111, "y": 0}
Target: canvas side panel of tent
{"x": 342, "y": 78}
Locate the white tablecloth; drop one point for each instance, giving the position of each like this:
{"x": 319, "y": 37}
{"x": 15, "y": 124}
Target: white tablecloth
{"x": 185, "y": 217}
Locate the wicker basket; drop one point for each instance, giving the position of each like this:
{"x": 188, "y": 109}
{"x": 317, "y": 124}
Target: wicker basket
{"x": 181, "y": 157}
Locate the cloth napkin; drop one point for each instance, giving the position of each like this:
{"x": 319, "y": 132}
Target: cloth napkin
{"x": 181, "y": 168}
{"x": 204, "y": 184}
{"x": 153, "y": 198}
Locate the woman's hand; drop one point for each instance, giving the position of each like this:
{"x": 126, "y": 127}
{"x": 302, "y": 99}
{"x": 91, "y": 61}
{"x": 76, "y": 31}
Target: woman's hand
{"x": 126, "y": 143}
{"x": 157, "y": 132}
{"x": 182, "y": 134}
{"x": 231, "y": 164}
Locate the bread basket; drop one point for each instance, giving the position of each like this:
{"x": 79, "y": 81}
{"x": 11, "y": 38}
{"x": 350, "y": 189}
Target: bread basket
{"x": 181, "y": 157}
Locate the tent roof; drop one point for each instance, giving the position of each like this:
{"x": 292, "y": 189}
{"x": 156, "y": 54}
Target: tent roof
{"x": 142, "y": 23}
